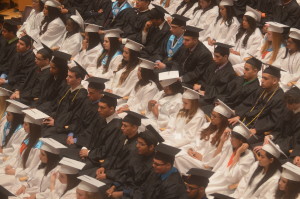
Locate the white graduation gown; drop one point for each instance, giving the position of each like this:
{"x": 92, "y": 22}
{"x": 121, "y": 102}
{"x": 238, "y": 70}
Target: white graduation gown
{"x": 172, "y": 6}
{"x": 32, "y": 24}
{"x": 189, "y": 13}
{"x": 72, "y": 44}
{"x": 244, "y": 190}
{"x": 179, "y": 133}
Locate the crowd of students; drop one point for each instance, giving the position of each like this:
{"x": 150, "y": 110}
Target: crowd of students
{"x": 151, "y": 100}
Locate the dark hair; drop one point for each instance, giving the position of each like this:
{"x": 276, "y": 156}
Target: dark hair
{"x": 79, "y": 72}
{"x": 273, "y": 167}
{"x": 76, "y": 28}
{"x": 45, "y": 53}
{"x": 212, "y": 4}
{"x": 62, "y": 66}
{"x": 72, "y": 181}
{"x": 188, "y": 5}
{"x": 18, "y": 120}
{"x": 222, "y": 51}
{"x": 297, "y": 43}
{"x": 230, "y": 14}
{"x": 176, "y": 88}
{"x": 10, "y": 28}
{"x": 41, "y": 4}
{"x": 147, "y": 76}
{"x": 291, "y": 192}
{"x": 94, "y": 40}
{"x": 292, "y": 96}
{"x": 34, "y": 136}
{"x": 52, "y": 162}
{"x": 252, "y": 27}
{"x": 239, "y": 137}
{"x": 53, "y": 13}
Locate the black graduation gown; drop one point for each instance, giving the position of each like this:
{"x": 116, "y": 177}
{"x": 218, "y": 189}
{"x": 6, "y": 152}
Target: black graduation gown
{"x": 265, "y": 6}
{"x": 7, "y": 56}
{"x": 140, "y": 21}
{"x": 287, "y": 14}
{"x": 91, "y": 14}
{"x": 191, "y": 65}
{"x": 79, "y": 5}
{"x": 271, "y": 117}
{"x": 239, "y": 7}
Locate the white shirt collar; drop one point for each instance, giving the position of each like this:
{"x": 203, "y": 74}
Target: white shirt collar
{"x": 78, "y": 87}
{"x": 45, "y": 67}
{"x": 110, "y": 118}
{"x": 161, "y": 25}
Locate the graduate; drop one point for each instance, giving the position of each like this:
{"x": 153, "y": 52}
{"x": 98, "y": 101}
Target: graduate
{"x": 142, "y": 12}
{"x": 183, "y": 129}
{"x": 165, "y": 104}
{"x": 286, "y": 12}
{"x": 4, "y": 95}
{"x": 186, "y": 8}
{"x": 97, "y": 11}
{"x": 144, "y": 90}
{"x": 88, "y": 188}
{"x": 263, "y": 176}
{"x": 295, "y": 156}
{"x": 201, "y": 152}
{"x": 234, "y": 162}
{"x": 169, "y": 5}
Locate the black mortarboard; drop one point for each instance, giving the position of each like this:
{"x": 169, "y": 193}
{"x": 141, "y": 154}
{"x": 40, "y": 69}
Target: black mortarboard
{"x": 79, "y": 70}
{"x": 198, "y": 177}
{"x": 222, "y": 45}
{"x": 49, "y": 50}
{"x": 157, "y": 12}
{"x": 166, "y": 153}
{"x": 96, "y": 83}
{"x": 254, "y": 62}
{"x": 110, "y": 99}
{"x": 4, "y": 193}
{"x": 220, "y": 196}
{"x": 13, "y": 22}
{"x": 27, "y": 39}
{"x": 133, "y": 118}
{"x": 151, "y": 136}
{"x": 192, "y": 31}
{"x": 179, "y": 20}
{"x": 273, "y": 70}
{"x": 10, "y": 25}
{"x": 2, "y": 18}
{"x": 222, "y": 48}
{"x": 62, "y": 55}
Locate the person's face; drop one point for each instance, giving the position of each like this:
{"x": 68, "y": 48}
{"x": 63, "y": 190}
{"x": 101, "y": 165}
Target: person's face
{"x": 9, "y": 117}
{"x": 249, "y": 72}
{"x": 291, "y": 45}
{"x": 63, "y": 178}
{"x": 296, "y": 161}
{"x": 43, "y": 156}
{"x": 268, "y": 81}
{"x": 126, "y": 54}
{"x": 7, "y": 35}
{"x": 106, "y": 44}
{"x": 203, "y": 4}
{"x": 45, "y": 10}
{"x": 70, "y": 26}
{"x": 21, "y": 46}
{"x": 26, "y": 127}
{"x": 189, "y": 42}
{"x": 187, "y": 104}
{"x": 53, "y": 70}
{"x": 143, "y": 148}
{"x": 94, "y": 94}
{"x": 219, "y": 59}
{"x": 192, "y": 190}
{"x": 263, "y": 160}
{"x": 128, "y": 129}
{"x": 141, "y": 4}
{"x": 176, "y": 30}
{"x": 245, "y": 23}
{"x": 156, "y": 22}
{"x": 235, "y": 143}
{"x": 167, "y": 90}
{"x": 215, "y": 118}
{"x": 71, "y": 79}
{"x": 293, "y": 106}
{"x": 160, "y": 167}
{"x": 40, "y": 61}
{"x": 269, "y": 36}
{"x": 282, "y": 183}
{"x": 139, "y": 73}
{"x": 104, "y": 110}
{"x": 36, "y": 5}
{"x": 223, "y": 11}
{"x": 80, "y": 194}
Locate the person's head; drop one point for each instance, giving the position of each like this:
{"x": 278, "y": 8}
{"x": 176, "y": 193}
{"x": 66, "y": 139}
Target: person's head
{"x": 190, "y": 42}
{"x": 59, "y": 67}
{"x": 142, "y": 5}
{"x": 72, "y": 26}
{"x": 217, "y": 119}
{"x": 107, "y": 105}
{"x": 9, "y": 30}
{"x": 131, "y": 123}
{"x": 177, "y": 30}
{"x": 111, "y": 44}
{"x": 51, "y": 12}
{"x": 9, "y": 116}
{"x": 37, "y": 5}
{"x": 270, "y": 81}
{"x": 24, "y": 44}
{"x": 93, "y": 39}
{"x": 251, "y": 68}
{"x": 73, "y": 78}
{"x": 147, "y": 141}
{"x": 173, "y": 89}
{"x": 157, "y": 15}
{"x": 178, "y": 25}
{"x": 164, "y": 158}
{"x": 221, "y": 55}
{"x": 82, "y": 194}
{"x": 42, "y": 58}
{"x": 293, "y": 44}
{"x": 248, "y": 23}
{"x": 205, "y": 3}
{"x": 128, "y": 129}
{"x": 94, "y": 94}
{"x": 226, "y": 12}
{"x": 190, "y": 104}
{"x": 292, "y": 98}
{"x": 239, "y": 135}
{"x": 266, "y": 159}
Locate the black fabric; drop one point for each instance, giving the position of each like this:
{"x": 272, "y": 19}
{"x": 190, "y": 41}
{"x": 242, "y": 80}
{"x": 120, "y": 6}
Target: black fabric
{"x": 92, "y": 15}
{"x": 287, "y": 14}
{"x": 7, "y": 56}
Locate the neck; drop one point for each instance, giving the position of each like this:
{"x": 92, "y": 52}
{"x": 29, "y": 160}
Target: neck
{"x": 110, "y": 115}
{"x": 265, "y": 169}
{"x": 132, "y": 135}
{"x": 143, "y": 9}
{"x": 75, "y": 86}
{"x": 221, "y": 64}
{"x": 194, "y": 46}
{"x": 273, "y": 88}
{"x": 251, "y": 79}
{"x": 200, "y": 195}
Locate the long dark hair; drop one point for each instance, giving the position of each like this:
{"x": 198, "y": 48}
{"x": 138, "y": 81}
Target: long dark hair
{"x": 188, "y": 5}
{"x": 230, "y": 14}
{"x": 41, "y": 4}
{"x": 273, "y": 168}
{"x": 34, "y": 136}
{"x": 18, "y": 119}
{"x": 252, "y": 28}
{"x": 53, "y": 13}
{"x": 297, "y": 43}
{"x": 291, "y": 191}
{"x": 176, "y": 88}
{"x": 72, "y": 182}
{"x": 147, "y": 76}
{"x": 52, "y": 162}
{"x": 212, "y": 4}
{"x": 76, "y": 28}
{"x": 94, "y": 40}
{"x": 62, "y": 66}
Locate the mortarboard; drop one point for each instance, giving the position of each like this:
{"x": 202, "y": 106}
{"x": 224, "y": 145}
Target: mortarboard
{"x": 47, "y": 49}
{"x": 226, "y": 3}
{"x": 51, "y": 145}
{"x": 273, "y": 70}
{"x": 150, "y": 135}
{"x": 220, "y": 196}
{"x": 62, "y": 55}
{"x": 179, "y": 20}
{"x": 5, "y": 92}
{"x": 242, "y": 130}
{"x": 273, "y": 149}
{"x": 27, "y": 39}
{"x": 222, "y": 45}
{"x": 168, "y": 78}
{"x": 78, "y": 19}
{"x": 165, "y": 153}
{"x": 15, "y": 106}
{"x": 157, "y": 12}
{"x": 253, "y": 61}
{"x": 190, "y": 94}
{"x": 192, "y": 31}
{"x": 133, "y": 118}
{"x": 197, "y": 176}
{"x": 222, "y": 48}
{"x": 253, "y": 13}
{"x": 294, "y": 33}
{"x": 113, "y": 33}
{"x": 134, "y": 45}
{"x": 92, "y": 27}
{"x": 2, "y": 18}
{"x": 276, "y": 27}
{"x": 291, "y": 172}
{"x": 79, "y": 70}
{"x": 146, "y": 64}
{"x": 89, "y": 184}
{"x": 70, "y": 166}
{"x": 96, "y": 83}
{"x": 53, "y": 3}
{"x": 34, "y": 116}
{"x": 223, "y": 109}
{"x": 110, "y": 99}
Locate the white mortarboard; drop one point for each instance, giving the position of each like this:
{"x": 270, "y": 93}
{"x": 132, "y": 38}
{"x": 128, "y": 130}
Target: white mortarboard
{"x": 78, "y": 19}
{"x": 89, "y": 184}
{"x": 168, "y": 78}
{"x": 273, "y": 149}
{"x": 70, "y": 166}
{"x": 253, "y": 13}
{"x": 134, "y": 45}
{"x": 146, "y": 64}
{"x": 53, "y": 3}
{"x": 242, "y": 129}
{"x": 190, "y": 94}
{"x": 92, "y": 27}
{"x": 4, "y": 92}
{"x": 51, "y": 145}
{"x": 15, "y": 106}
{"x": 276, "y": 27}
{"x": 34, "y": 116}
{"x": 44, "y": 1}
{"x": 113, "y": 33}
{"x": 223, "y": 109}
{"x": 291, "y": 172}
{"x": 294, "y": 33}
{"x": 226, "y": 3}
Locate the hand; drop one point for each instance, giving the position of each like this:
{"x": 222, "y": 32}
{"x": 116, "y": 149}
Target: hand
{"x": 49, "y": 121}
{"x": 225, "y": 135}
{"x": 100, "y": 11}
{"x": 53, "y": 180}
{"x": 83, "y": 153}
{"x": 1, "y": 150}
{"x": 10, "y": 171}
{"x": 169, "y": 20}
{"x": 101, "y": 176}
{"x": 2, "y": 81}
{"x": 257, "y": 149}
{"x": 117, "y": 194}
{"x": 242, "y": 148}
{"x": 151, "y": 103}
{"x": 210, "y": 41}
{"x": 70, "y": 140}
{"x": 64, "y": 11}
{"x": 101, "y": 32}
{"x": 15, "y": 95}
{"x": 202, "y": 93}
{"x": 122, "y": 109}
{"x": 155, "y": 110}
{"x": 101, "y": 170}
{"x": 234, "y": 120}
{"x": 234, "y": 52}
{"x": 84, "y": 44}
{"x": 197, "y": 87}
{"x": 21, "y": 190}
{"x": 55, "y": 48}
{"x": 267, "y": 139}
{"x": 160, "y": 65}
{"x": 108, "y": 90}
{"x": 110, "y": 191}
{"x": 253, "y": 131}
{"x": 147, "y": 26}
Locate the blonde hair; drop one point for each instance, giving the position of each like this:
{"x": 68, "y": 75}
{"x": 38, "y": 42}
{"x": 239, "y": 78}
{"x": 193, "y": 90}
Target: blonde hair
{"x": 277, "y": 40}
{"x": 189, "y": 114}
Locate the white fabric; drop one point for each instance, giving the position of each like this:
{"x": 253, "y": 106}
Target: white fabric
{"x": 172, "y": 6}
{"x": 188, "y": 13}
{"x": 72, "y": 44}
{"x": 58, "y": 192}
{"x": 32, "y": 24}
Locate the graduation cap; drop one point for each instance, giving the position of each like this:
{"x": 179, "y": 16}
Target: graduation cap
{"x": 192, "y": 31}
{"x": 222, "y": 48}
{"x": 151, "y": 136}
{"x": 190, "y": 94}
{"x": 294, "y": 33}
{"x": 13, "y": 22}
{"x": 291, "y": 172}
{"x": 5, "y": 92}
{"x": 92, "y": 27}
{"x": 49, "y": 50}
{"x": 179, "y": 20}
{"x": 253, "y": 61}
{"x": 134, "y": 45}
{"x": 62, "y": 55}
{"x": 242, "y": 130}
{"x": 15, "y": 106}
{"x": 70, "y": 166}
{"x": 157, "y": 12}
{"x": 2, "y": 18}
{"x": 53, "y": 3}
{"x": 276, "y": 27}
{"x": 4, "y": 193}
{"x": 96, "y": 83}
{"x": 166, "y": 153}
{"x": 146, "y": 64}
{"x": 110, "y": 99}
{"x": 51, "y": 145}
{"x": 223, "y": 109}
{"x": 253, "y": 13}
{"x": 78, "y": 19}
{"x": 273, "y": 149}
{"x": 113, "y": 33}
{"x": 273, "y": 70}
{"x": 89, "y": 184}
{"x": 168, "y": 78}
{"x": 34, "y": 116}
{"x": 220, "y": 196}
{"x": 197, "y": 176}
{"x": 27, "y": 39}
{"x": 133, "y": 118}
{"x": 226, "y": 3}
{"x": 79, "y": 70}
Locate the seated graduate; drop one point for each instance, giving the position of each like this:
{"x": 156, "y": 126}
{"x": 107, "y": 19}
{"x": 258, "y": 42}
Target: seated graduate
{"x": 262, "y": 111}
{"x": 183, "y": 129}
{"x": 2, "y": 40}
{"x": 165, "y": 104}
{"x": 70, "y": 7}
{"x": 30, "y": 90}
{"x": 169, "y": 5}
{"x": 144, "y": 90}
{"x": 142, "y": 15}
{"x": 135, "y": 173}
{"x": 97, "y": 11}
{"x": 261, "y": 180}
{"x": 67, "y": 107}
{"x": 4, "y": 95}
{"x": 240, "y": 88}
{"x": 165, "y": 180}
{"x": 196, "y": 182}
{"x": 19, "y": 67}
{"x": 286, "y": 12}
{"x": 88, "y": 188}
{"x": 11, "y": 128}
{"x": 234, "y": 162}
{"x": 78, "y": 136}
{"x": 186, "y": 8}
{"x": 192, "y": 58}
{"x": 201, "y": 152}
